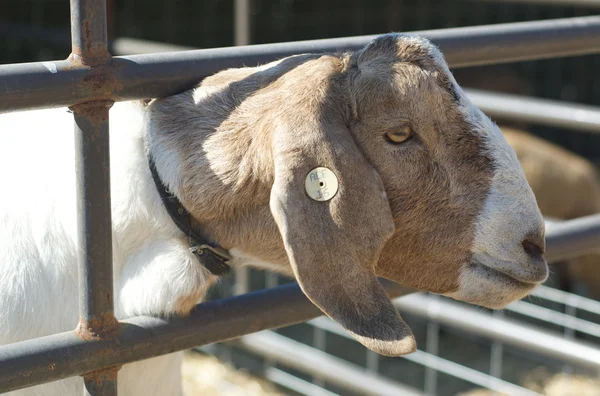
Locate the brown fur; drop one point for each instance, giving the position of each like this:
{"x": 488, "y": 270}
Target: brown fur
{"x": 247, "y": 147}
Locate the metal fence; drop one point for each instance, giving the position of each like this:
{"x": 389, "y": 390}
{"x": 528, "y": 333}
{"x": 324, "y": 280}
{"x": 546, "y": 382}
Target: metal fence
{"x": 460, "y": 347}
{"x": 90, "y": 80}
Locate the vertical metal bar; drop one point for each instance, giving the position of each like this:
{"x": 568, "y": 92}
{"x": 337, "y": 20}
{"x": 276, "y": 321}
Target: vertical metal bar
{"x": 96, "y": 308}
{"x": 569, "y": 334}
{"x": 102, "y": 383}
{"x": 272, "y": 280}
{"x": 242, "y": 280}
{"x": 372, "y": 362}
{"x": 88, "y": 32}
{"x": 94, "y": 220}
{"x": 497, "y": 353}
{"x": 432, "y": 348}
{"x": 93, "y": 188}
{"x": 241, "y": 37}
{"x": 242, "y": 22}
{"x": 319, "y": 343}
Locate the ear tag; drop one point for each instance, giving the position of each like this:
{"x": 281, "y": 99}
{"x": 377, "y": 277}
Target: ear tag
{"x": 321, "y": 184}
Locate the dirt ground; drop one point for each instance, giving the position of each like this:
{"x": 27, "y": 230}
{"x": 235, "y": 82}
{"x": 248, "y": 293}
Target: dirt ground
{"x": 551, "y": 385}
{"x": 205, "y": 375}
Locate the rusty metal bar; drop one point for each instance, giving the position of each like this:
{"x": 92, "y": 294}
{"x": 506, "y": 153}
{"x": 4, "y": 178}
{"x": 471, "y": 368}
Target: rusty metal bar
{"x": 93, "y": 185}
{"x": 101, "y": 383}
{"x": 64, "y": 355}
{"x": 27, "y": 363}
{"x": 88, "y": 32}
{"x": 63, "y": 83}
{"x": 97, "y": 320}
{"x": 503, "y": 106}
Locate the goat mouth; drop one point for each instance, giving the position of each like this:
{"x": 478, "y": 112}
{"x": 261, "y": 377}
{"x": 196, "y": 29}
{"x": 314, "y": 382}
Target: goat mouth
{"x": 494, "y": 283}
{"x": 532, "y": 273}
{"x": 481, "y": 270}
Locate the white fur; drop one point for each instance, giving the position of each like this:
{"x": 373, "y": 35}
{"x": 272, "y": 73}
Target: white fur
{"x": 153, "y": 267}
{"x": 509, "y": 216}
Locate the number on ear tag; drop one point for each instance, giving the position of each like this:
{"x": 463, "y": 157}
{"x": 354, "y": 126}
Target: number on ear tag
{"x": 321, "y": 184}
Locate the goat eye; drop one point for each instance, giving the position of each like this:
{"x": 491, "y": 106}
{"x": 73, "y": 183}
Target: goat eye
{"x": 399, "y": 135}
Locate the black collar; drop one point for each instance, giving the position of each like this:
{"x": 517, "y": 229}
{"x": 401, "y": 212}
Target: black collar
{"x": 214, "y": 258}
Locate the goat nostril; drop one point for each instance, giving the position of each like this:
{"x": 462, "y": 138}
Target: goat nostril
{"x": 532, "y": 249}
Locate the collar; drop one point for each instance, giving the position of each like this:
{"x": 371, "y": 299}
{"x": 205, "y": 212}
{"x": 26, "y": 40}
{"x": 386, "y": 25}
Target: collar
{"x": 213, "y": 257}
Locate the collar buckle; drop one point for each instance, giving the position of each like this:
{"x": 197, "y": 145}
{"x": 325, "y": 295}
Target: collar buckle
{"x": 215, "y": 259}
{"x": 217, "y": 251}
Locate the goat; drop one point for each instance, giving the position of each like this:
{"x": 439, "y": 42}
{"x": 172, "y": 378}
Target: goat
{"x": 421, "y": 188}
{"x": 566, "y": 186}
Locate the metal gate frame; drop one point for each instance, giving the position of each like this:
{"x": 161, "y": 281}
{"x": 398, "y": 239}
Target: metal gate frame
{"x": 90, "y": 80}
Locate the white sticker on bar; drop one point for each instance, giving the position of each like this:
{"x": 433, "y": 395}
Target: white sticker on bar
{"x": 50, "y": 66}
{"x": 321, "y": 184}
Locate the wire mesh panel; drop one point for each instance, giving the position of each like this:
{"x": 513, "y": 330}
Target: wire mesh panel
{"x": 453, "y": 355}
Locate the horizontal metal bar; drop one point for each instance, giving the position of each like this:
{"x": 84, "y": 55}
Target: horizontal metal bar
{"x": 440, "y": 365}
{"x": 503, "y": 106}
{"x": 556, "y": 318}
{"x": 562, "y": 3}
{"x": 507, "y": 331}
{"x": 64, "y": 355}
{"x": 62, "y": 83}
{"x": 572, "y": 238}
{"x": 506, "y": 106}
{"x": 313, "y": 361}
{"x": 570, "y": 299}
{"x": 538, "y": 111}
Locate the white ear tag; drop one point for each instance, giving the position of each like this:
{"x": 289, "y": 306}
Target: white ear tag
{"x": 321, "y": 184}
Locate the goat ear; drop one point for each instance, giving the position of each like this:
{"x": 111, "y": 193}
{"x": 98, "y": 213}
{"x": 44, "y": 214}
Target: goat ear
{"x": 333, "y": 244}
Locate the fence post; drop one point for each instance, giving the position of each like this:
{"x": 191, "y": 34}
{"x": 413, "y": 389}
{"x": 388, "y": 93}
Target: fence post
{"x": 242, "y": 22}
{"x": 96, "y": 308}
